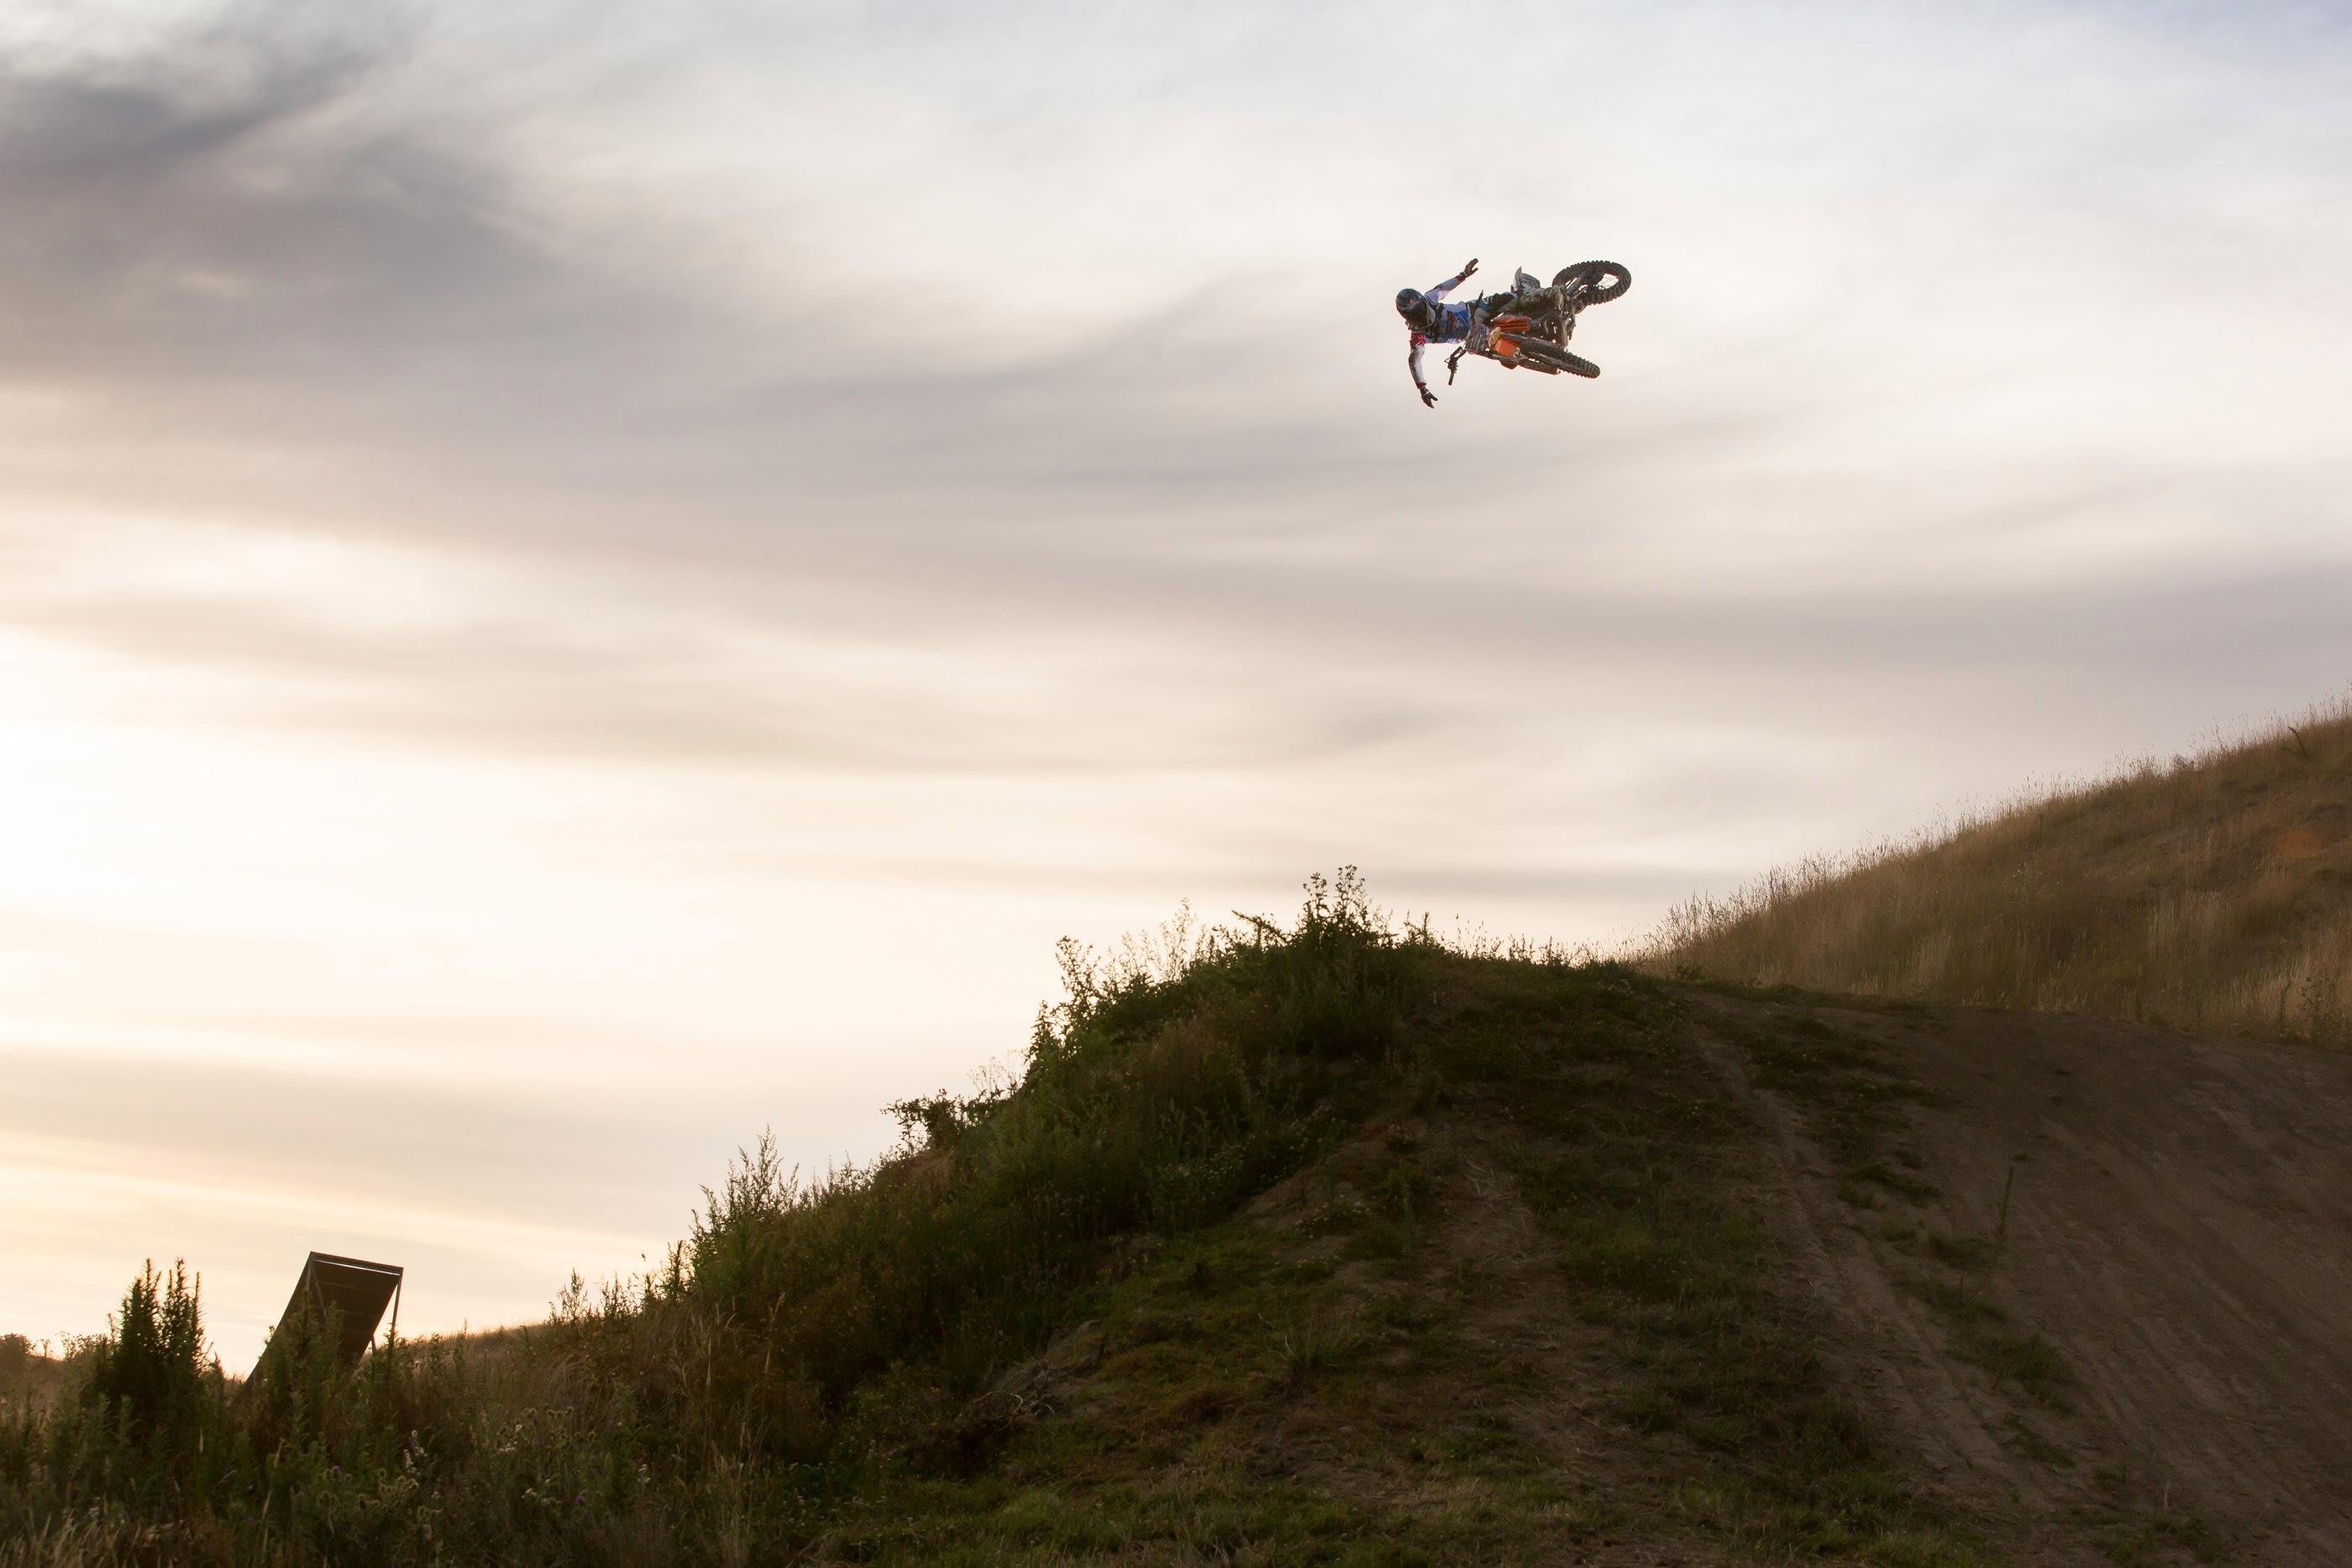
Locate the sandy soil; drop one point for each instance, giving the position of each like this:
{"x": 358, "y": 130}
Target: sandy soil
{"x": 2179, "y": 1226}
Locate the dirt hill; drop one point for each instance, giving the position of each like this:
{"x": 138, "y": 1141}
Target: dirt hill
{"x": 1673, "y": 1276}
{"x": 2212, "y": 893}
{"x": 1325, "y": 1245}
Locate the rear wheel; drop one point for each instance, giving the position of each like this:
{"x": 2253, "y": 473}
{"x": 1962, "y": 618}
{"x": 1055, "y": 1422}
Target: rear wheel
{"x": 1598, "y": 282}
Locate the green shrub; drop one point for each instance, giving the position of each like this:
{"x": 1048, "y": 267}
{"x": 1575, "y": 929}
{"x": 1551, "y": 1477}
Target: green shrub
{"x": 150, "y": 1373}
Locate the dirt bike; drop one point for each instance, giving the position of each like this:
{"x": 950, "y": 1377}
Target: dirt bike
{"x": 1530, "y": 327}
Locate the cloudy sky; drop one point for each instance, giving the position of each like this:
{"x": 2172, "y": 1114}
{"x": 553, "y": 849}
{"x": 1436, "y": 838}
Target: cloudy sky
{"x": 580, "y": 580}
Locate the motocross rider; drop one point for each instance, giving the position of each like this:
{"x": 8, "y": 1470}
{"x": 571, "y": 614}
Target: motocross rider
{"x": 1432, "y": 320}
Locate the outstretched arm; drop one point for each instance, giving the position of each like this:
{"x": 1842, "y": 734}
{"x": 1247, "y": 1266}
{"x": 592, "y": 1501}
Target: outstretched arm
{"x": 1413, "y": 363}
{"x": 1451, "y": 284}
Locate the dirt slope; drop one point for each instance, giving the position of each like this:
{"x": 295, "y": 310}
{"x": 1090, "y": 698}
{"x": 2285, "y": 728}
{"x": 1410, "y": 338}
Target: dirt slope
{"x": 2165, "y": 1309}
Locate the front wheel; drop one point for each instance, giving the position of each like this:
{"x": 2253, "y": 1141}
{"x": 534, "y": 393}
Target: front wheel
{"x": 1598, "y": 282}
{"x": 1552, "y": 357}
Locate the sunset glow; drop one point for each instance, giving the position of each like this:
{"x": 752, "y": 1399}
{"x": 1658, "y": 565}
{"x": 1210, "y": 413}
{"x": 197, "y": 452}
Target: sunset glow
{"x": 581, "y": 582}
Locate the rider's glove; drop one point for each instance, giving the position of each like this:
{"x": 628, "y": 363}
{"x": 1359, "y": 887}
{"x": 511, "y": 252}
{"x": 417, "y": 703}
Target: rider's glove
{"x": 1428, "y": 397}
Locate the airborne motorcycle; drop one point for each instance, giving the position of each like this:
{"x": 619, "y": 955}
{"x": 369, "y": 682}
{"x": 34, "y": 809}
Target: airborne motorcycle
{"x": 1529, "y": 326}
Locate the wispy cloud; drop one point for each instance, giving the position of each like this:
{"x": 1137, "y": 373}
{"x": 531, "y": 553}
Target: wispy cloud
{"x": 539, "y": 512}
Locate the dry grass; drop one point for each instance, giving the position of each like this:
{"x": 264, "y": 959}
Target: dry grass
{"x": 2211, "y": 893}
{"x": 29, "y": 1374}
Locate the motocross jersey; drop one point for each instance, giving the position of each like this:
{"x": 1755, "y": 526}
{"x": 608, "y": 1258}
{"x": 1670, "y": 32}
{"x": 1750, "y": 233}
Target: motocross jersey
{"x": 1453, "y": 325}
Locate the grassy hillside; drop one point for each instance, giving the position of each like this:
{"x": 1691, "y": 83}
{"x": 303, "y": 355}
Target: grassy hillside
{"x": 2212, "y": 893}
{"x": 1331, "y": 1244}
{"x": 1316, "y": 1244}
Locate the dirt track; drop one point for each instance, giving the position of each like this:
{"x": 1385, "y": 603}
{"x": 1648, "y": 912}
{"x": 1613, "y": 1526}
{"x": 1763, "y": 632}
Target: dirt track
{"x": 2179, "y": 1228}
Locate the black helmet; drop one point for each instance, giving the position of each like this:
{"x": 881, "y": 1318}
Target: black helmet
{"x": 1415, "y": 306}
